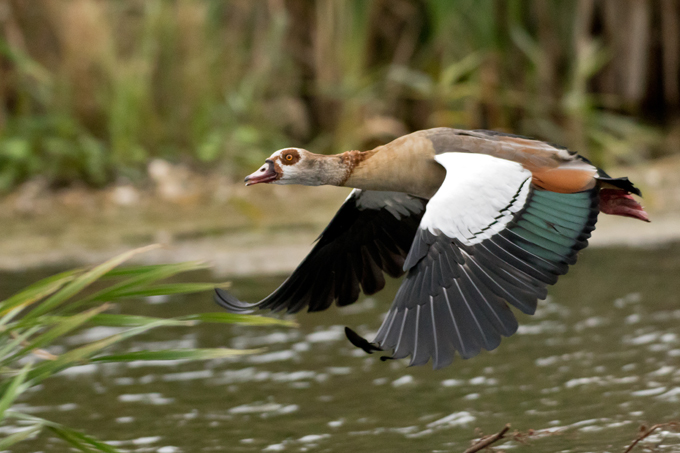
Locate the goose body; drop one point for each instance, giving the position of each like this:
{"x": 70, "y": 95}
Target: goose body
{"x": 477, "y": 220}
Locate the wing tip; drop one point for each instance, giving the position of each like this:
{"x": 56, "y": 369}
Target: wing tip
{"x": 360, "y": 342}
{"x": 231, "y": 303}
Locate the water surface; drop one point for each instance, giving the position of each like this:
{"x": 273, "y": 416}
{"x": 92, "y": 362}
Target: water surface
{"x": 600, "y": 357}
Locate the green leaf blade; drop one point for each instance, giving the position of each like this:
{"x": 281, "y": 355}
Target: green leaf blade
{"x": 85, "y": 279}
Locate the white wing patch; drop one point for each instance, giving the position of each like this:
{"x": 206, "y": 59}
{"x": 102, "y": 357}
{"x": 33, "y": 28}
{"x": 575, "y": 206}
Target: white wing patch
{"x": 478, "y": 198}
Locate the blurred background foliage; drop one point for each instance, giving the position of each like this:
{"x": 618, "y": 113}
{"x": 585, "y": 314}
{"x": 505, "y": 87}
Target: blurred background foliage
{"x": 90, "y": 90}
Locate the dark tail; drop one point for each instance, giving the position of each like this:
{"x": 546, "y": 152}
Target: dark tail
{"x": 615, "y": 197}
{"x": 620, "y": 183}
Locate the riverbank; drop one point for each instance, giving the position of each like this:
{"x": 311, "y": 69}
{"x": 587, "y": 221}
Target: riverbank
{"x": 241, "y": 231}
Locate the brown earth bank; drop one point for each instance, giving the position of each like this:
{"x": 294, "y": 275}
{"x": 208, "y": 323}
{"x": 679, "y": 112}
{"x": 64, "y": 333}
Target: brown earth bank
{"x": 241, "y": 231}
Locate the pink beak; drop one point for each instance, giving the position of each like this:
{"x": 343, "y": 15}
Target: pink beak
{"x": 266, "y": 173}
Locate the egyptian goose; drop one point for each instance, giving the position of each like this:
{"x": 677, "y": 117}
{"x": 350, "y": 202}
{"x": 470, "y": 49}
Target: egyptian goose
{"x": 476, "y": 219}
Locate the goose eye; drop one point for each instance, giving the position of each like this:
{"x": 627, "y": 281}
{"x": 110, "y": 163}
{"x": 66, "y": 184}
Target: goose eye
{"x": 289, "y": 157}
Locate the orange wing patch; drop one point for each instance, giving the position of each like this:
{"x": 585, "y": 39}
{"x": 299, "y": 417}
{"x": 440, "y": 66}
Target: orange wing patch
{"x": 564, "y": 180}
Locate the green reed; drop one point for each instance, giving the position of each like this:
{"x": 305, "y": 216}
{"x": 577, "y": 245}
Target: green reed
{"x": 43, "y": 314}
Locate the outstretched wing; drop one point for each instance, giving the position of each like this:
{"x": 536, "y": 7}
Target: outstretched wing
{"x": 488, "y": 238}
{"x": 370, "y": 234}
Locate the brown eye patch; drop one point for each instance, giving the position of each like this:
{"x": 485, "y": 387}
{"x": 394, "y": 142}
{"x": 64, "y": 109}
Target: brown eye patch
{"x": 290, "y": 156}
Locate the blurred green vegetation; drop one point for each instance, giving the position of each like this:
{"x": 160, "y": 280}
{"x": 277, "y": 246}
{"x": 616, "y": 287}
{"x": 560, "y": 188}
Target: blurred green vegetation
{"x": 90, "y": 90}
{"x": 42, "y": 315}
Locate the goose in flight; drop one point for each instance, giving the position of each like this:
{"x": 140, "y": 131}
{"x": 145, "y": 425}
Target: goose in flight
{"x": 477, "y": 220}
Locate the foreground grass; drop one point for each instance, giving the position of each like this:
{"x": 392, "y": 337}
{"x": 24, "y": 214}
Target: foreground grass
{"x": 44, "y": 313}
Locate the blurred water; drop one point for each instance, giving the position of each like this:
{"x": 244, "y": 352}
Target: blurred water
{"x": 600, "y": 357}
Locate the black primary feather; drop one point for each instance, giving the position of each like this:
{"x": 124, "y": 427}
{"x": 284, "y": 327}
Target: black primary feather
{"x": 356, "y": 248}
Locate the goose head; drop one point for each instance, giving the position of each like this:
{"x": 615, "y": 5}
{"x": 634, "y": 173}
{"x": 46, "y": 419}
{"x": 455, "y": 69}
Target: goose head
{"x": 294, "y": 166}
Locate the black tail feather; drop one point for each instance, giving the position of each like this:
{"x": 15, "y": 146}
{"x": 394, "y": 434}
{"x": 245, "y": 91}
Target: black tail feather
{"x": 622, "y": 183}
